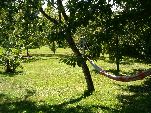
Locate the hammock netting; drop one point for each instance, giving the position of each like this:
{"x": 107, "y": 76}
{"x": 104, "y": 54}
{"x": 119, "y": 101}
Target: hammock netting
{"x": 138, "y": 76}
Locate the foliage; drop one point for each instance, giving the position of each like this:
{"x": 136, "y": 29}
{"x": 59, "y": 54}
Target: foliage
{"x": 72, "y": 60}
{"x": 19, "y": 29}
{"x": 131, "y": 26}
{"x": 60, "y": 89}
{"x": 9, "y": 38}
{"x": 105, "y": 30}
{"x": 11, "y": 59}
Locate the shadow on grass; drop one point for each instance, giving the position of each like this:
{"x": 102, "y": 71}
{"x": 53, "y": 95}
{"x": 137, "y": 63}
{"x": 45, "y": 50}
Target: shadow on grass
{"x": 130, "y": 73}
{"x": 50, "y": 55}
{"x": 123, "y": 62}
{"x": 140, "y": 101}
{"x": 11, "y": 74}
{"x": 35, "y": 57}
{"x": 35, "y": 107}
{"x": 129, "y": 61}
{"x": 114, "y": 71}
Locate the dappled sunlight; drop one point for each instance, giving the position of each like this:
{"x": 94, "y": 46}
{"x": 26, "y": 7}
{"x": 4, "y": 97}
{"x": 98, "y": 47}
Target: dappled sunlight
{"x": 48, "y": 85}
{"x": 137, "y": 99}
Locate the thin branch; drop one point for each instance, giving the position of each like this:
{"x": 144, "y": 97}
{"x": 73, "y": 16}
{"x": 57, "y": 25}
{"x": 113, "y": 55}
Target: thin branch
{"x": 52, "y": 4}
{"x": 62, "y": 10}
{"x": 48, "y": 17}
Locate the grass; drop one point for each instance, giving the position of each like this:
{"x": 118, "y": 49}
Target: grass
{"x": 48, "y": 86}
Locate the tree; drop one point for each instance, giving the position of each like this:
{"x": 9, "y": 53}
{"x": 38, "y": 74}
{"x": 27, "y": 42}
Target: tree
{"x": 9, "y": 37}
{"x": 71, "y": 16}
{"x": 135, "y": 21}
{"x": 80, "y": 13}
{"x": 107, "y": 26}
{"x": 68, "y": 31}
{"x": 31, "y": 27}
{"x": 128, "y": 31}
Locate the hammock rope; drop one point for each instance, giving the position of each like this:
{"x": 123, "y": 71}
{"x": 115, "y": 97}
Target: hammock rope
{"x": 138, "y": 76}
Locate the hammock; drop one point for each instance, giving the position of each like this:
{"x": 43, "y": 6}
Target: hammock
{"x": 138, "y": 76}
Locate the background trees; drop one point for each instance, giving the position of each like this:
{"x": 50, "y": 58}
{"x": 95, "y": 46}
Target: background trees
{"x": 128, "y": 30}
{"x": 9, "y": 36}
{"x": 24, "y": 23}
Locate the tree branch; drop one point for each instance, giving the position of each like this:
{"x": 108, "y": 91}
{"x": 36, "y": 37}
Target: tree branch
{"x": 62, "y": 10}
{"x": 52, "y": 3}
{"x": 48, "y": 17}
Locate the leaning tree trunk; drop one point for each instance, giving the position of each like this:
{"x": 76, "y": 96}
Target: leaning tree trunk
{"x": 88, "y": 78}
{"x": 72, "y": 45}
{"x": 85, "y": 68}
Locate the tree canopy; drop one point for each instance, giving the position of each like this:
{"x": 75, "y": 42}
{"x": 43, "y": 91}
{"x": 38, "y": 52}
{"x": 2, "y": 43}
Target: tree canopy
{"x": 124, "y": 32}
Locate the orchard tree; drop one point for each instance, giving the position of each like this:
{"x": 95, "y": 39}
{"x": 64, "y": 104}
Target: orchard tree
{"x": 54, "y": 39}
{"x": 31, "y": 26}
{"x": 9, "y": 36}
{"x": 129, "y": 31}
{"x": 94, "y": 16}
{"x": 137, "y": 21}
{"x": 72, "y": 14}
{"x": 75, "y": 14}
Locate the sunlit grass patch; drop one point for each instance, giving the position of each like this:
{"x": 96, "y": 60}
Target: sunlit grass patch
{"x": 47, "y": 85}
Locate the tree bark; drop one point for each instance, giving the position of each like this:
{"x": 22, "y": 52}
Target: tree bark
{"x": 27, "y": 52}
{"x": 85, "y": 68}
{"x": 8, "y": 68}
{"x": 117, "y": 56}
{"x": 88, "y": 77}
{"x": 72, "y": 45}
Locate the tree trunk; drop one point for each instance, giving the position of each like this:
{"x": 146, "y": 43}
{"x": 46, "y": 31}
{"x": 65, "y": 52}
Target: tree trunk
{"x": 85, "y": 68}
{"x": 72, "y": 45}
{"x": 8, "y": 68}
{"x": 117, "y": 56}
{"x": 88, "y": 78}
{"x": 27, "y": 52}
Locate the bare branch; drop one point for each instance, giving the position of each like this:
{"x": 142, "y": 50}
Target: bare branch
{"x": 48, "y": 17}
{"x": 62, "y": 10}
{"x": 52, "y": 3}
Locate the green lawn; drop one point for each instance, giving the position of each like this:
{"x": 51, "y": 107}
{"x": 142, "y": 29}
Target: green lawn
{"x": 45, "y": 85}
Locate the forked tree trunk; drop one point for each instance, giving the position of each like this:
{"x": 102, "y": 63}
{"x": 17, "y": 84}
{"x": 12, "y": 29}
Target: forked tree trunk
{"x": 72, "y": 45}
